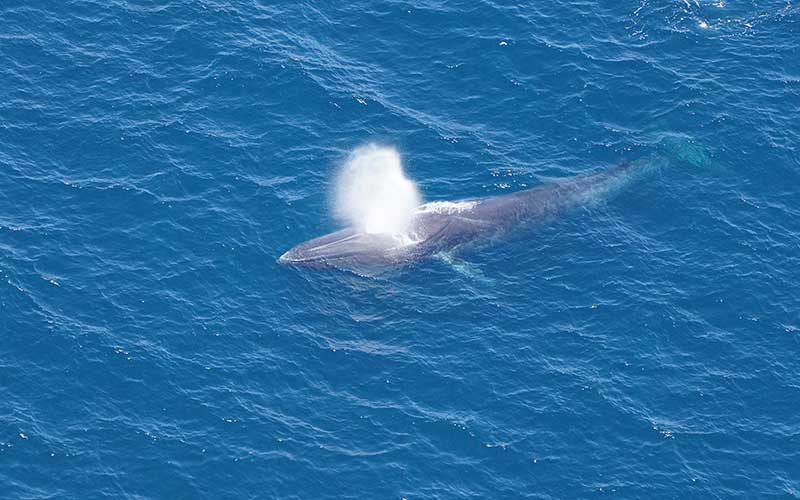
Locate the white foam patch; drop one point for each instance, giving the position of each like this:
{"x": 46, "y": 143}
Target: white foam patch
{"x": 447, "y": 207}
{"x": 373, "y": 194}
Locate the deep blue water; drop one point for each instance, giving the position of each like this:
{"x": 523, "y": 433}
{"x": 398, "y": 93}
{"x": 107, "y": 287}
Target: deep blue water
{"x": 157, "y": 157}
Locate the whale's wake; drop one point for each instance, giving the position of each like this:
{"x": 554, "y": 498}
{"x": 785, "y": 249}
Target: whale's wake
{"x": 372, "y": 193}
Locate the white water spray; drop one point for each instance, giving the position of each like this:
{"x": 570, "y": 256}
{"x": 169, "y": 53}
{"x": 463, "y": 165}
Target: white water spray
{"x": 372, "y": 192}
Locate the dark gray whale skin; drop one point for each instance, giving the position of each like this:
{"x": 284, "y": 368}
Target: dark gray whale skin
{"x": 441, "y": 227}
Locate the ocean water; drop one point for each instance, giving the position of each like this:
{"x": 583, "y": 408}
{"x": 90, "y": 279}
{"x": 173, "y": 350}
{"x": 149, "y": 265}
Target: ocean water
{"x": 157, "y": 157}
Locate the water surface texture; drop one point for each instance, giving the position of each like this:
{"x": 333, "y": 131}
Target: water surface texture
{"x": 157, "y": 157}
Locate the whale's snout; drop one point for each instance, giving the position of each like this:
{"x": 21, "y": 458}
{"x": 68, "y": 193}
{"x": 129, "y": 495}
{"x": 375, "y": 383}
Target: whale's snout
{"x": 304, "y": 254}
{"x": 323, "y": 251}
{"x": 299, "y": 256}
{"x": 286, "y": 259}
{"x": 342, "y": 247}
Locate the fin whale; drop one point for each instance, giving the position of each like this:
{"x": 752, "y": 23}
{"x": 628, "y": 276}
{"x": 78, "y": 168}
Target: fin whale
{"x": 442, "y": 226}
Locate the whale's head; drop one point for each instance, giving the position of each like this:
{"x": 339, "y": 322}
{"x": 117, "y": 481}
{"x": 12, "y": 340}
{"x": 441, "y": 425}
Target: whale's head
{"x": 435, "y": 227}
{"x": 348, "y": 248}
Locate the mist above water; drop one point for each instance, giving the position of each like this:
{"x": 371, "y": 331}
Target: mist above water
{"x": 372, "y": 192}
